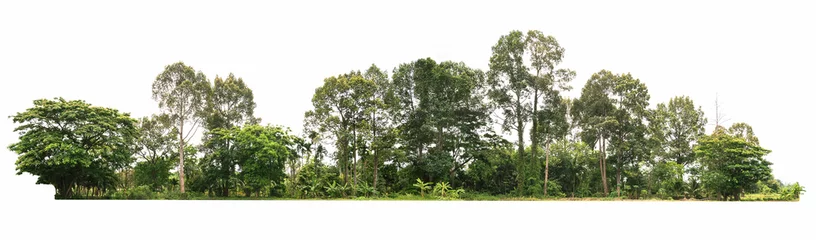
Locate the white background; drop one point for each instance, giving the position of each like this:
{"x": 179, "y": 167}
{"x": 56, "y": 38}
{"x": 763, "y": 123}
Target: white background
{"x": 758, "y": 56}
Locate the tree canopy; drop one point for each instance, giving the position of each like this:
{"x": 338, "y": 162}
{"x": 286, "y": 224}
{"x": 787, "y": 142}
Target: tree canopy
{"x": 426, "y": 129}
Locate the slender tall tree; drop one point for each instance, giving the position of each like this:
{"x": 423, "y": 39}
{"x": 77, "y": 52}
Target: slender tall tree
{"x": 181, "y": 93}
{"x": 511, "y": 92}
{"x": 546, "y": 82}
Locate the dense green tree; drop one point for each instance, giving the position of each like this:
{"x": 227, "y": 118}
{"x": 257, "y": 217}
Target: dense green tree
{"x": 731, "y": 164}
{"x": 630, "y": 135}
{"x": 681, "y": 125}
{"x": 410, "y": 122}
{"x": 229, "y": 103}
{"x": 339, "y": 112}
{"x": 260, "y": 154}
{"x": 612, "y": 110}
{"x": 155, "y": 174}
{"x": 441, "y": 107}
{"x": 68, "y": 143}
{"x": 572, "y": 162}
{"x": 181, "y": 93}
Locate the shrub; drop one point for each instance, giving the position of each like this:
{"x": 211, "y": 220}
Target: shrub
{"x": 422, "y": 186}
{"x": 792, "y": 192}
{"x": 138, "y": 193}
{"x": 554, "y": 189}
{"x": 441, "y": 189}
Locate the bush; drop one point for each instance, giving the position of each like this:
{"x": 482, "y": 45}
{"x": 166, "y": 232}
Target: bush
{"x": 764, "y": 197}
{"x": 554, "y": 189}
{"x": 138, "y": 193}
{"x": 792, "y": 192}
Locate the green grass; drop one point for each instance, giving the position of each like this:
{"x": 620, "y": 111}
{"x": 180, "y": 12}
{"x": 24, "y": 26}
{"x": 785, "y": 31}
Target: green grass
{"x": 416, "y": 197}
{"x": 769, "y": 197}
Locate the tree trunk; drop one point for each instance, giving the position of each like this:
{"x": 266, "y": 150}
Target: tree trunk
{"x": 451, "y": 174}
{"x": 534, "y": 137}
{"x": 522, "y": 163}
{"x": 376, "y": 152}
{"x": 649, "y": 183}
{"x": 603, "y": 167}
{"x": 546, "y": 168}
{"x": 181, "y": 155}
{"x": 617, "y": 185}
{"x": 439, "y": 132}
{"x": 354, "y": 187}
{"x": 64, "y": 189}
{"x": 605, "y": 179}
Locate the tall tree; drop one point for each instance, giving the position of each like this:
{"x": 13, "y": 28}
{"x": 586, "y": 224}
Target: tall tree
{"x": 229, "y": 103}
{"x": 381, "y": 127}
{"x": 511, "y": 91}
{"x": 409, "y": 118}
{"x": 594, "y": 113}
{"x": 682, "y": 126}
{"x": 339, "y": 109}
{"x": 181, "y": 93}
{"x": 441, "y": 107}
{"x": 69, "y": 143}
{"x": 629, "y": 137}
{"x": 552, "y": 126}
{"x": 547, "y": 81}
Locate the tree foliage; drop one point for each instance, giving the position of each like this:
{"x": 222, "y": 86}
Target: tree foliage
{"x": 68, "y": 143}
{"x": 375, "y": 134}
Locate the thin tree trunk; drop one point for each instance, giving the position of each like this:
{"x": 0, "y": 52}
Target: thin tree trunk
{"x": 181, "y": 155}
{"x": 649, "y": 183}
{"x": 534, "y": 137}
{"x": 546, "y": 168}
{"x": 376, "y": 151}
{"x": 603, "y": 167}
{"x": 522, "y": 163}
{"x": 354, "y": 187}
{"x": 619, "y": 177}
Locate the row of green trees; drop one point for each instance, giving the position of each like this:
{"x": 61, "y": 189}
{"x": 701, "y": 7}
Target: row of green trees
{"x": 375, "y": 133}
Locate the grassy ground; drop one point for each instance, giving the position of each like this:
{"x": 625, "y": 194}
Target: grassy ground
{"x": 428, "y": 197}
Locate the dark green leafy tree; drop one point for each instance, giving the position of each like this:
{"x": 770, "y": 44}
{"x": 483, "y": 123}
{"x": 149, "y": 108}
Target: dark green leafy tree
{"x": 260, "y": 154}
{"x": 730, "y": 163}
{"x": 681, "y": 126}
{"x": 630, "y": 136}
{"x": 70, "y": 143}
{"x": 229, "y": 103}
{"x": 441, "y": 108}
